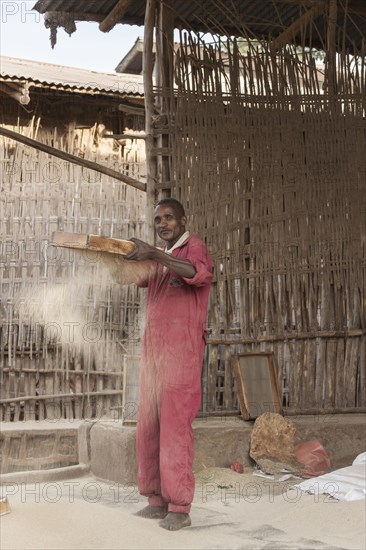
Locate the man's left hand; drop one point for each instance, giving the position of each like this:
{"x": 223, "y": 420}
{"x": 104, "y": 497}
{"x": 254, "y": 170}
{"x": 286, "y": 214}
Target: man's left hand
{"x": 142, "y": 251}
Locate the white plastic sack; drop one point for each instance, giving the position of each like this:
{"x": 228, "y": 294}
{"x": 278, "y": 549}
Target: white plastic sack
{"x": 344, "y": 484}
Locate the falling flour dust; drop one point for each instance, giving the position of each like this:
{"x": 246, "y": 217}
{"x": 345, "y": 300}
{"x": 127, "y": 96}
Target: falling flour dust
{"x": 69, "y": 312}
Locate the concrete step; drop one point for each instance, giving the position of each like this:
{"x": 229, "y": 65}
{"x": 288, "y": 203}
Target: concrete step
{"x": 42, "y": 451}
{"x": 219, "y": 442}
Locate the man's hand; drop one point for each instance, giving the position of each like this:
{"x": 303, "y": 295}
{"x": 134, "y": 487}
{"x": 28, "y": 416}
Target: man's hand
{"x": 142, "y": 251}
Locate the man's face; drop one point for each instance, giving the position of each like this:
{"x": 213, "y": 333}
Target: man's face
{"x": 168, "y": 224}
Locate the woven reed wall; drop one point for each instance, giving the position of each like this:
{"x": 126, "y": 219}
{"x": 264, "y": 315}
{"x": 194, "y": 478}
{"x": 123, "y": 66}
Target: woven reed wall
{"x": 272, "y": 170}
{"x": 69, "y": 363}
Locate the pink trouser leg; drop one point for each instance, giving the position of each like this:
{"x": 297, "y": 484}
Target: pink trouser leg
{"x": 178, "y": 409}
{"x": 170, "y": 396}
{"x": 147, "y": 446}
{"x": 148, "y": 437}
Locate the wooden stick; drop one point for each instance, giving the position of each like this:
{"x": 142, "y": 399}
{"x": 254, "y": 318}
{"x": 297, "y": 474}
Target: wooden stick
{"x": 307, "y": 3}
{"x": 303, "y": 336}
{"x": 351, "y": 6}
{"x": 59, "y": 396}
{"x": 20, "y": 93}
{"x": 72, "y": 158}
{"x": 114, "y": 16}
{"x": 339, "y": 410}
{"x": 165, "y": 63}
{"x": 293, "y": 29}
{"x": 331, "y": 69}
{"x": 148, "y": 66}
{"x": 125, "y": 136}
{"x": 79, "y": 371}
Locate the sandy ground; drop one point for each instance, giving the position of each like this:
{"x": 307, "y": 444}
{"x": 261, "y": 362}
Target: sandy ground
{"x": 230, "y": 511}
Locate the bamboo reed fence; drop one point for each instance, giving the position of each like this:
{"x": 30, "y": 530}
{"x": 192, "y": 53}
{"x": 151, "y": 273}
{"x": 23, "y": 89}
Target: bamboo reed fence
{"x": 271, "y": 166}
{"x": 269, "y": 159}
{"x": 67, "y": 362}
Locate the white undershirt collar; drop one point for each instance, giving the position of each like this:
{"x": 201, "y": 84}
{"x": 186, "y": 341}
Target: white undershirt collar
{"x": 179, "y": 243}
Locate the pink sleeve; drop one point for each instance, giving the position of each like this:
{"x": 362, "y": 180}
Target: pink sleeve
{"x": 199, "y": 257}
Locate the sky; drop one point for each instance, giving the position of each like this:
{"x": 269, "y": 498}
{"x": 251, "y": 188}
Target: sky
{"x": 23, "y": 35}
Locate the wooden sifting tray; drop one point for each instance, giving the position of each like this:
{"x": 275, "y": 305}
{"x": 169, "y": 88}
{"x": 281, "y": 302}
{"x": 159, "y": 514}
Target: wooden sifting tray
{"x": 92, "y": 242}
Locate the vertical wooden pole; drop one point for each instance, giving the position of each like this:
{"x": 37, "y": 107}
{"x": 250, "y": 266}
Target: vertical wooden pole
{"x": 147, "y": 71}
{"x": 164, "y": 75}
{"x": 331, "y": 65}
{"x": 148, "y": 67}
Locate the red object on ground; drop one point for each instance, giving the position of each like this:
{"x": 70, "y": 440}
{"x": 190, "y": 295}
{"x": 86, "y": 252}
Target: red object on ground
{"x": 313, "y": 457}
{"x": 170, "y": 378}
{"x": 237, "y": 467}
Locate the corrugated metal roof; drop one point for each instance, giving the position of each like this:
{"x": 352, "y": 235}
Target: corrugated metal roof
{"x": 261, "y": 19}
{"x": 69, "y": 78}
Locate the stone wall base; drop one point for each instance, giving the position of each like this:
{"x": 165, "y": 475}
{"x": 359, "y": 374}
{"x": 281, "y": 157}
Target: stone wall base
{"x": 106, "y": 448}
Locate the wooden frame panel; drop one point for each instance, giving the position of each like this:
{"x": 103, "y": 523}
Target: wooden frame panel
{"x": 256, "y": 376}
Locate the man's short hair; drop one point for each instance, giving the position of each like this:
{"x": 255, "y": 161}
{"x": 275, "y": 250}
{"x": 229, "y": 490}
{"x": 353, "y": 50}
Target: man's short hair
{"x": 178, "y": 206}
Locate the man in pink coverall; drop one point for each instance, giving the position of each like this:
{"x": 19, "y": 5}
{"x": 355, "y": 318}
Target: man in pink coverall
{"x": 171, "y": 364}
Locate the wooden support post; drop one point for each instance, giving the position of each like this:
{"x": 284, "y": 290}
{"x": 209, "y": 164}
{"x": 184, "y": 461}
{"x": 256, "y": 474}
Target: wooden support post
{"x": 148, "y": 67}
{"x": 164, "y": 75}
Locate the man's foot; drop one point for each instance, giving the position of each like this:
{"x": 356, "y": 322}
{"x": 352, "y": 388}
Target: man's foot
{"x": 175, "y": 521}
{"x": 153, "y": 512}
